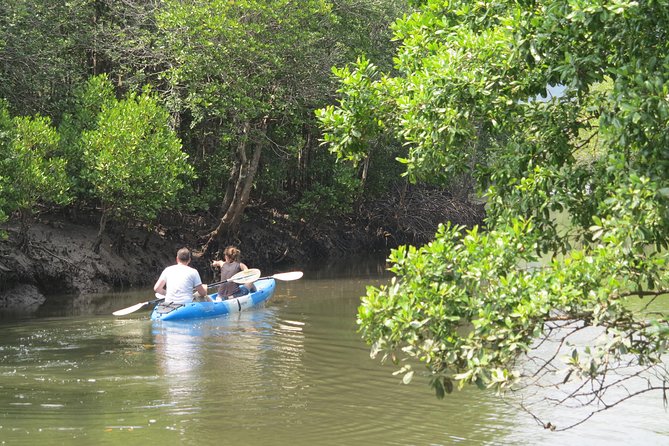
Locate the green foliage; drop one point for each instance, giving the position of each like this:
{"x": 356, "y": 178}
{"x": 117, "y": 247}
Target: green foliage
{"x": 237, "y": 60}
{"x": 30, "y": 173}
{"x": 133, "y": 159}
{"x": 328, "y": 199}
{"x": 88, "y": 102}
{"x": 464, "y": 308}
{"x": 442, "y": 312}
{"x": 350, "y": 127}
{"x": 471, "y": 97}
{"x": 5, "y": 145}
{"x": 216, "y": 65}
{"x": 45, "y": 47}
{"x": 262, "y": 63}
{"x": 384, "y": 169}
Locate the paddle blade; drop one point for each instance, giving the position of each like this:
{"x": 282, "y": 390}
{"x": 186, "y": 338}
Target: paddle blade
{"x": 129, "y": 310}
{"x": 249, "y": 275}
{"x": 293, "y": 275}
{"x": 132, "y": 309}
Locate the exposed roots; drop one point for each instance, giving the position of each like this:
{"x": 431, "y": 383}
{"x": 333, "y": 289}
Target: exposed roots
{"x": 412, "y": 216}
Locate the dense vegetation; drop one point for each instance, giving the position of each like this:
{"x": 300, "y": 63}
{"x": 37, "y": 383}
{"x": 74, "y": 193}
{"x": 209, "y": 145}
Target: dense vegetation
{"x": 129, "y": 110}
{"x": 558, "y": 292}
{"x": 136, "y": 109}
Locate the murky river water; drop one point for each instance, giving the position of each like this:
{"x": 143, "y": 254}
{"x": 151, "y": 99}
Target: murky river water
{"x": 294, "y": 372}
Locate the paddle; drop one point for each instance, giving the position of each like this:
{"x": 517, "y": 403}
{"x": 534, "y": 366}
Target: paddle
{"x": 136, "y": 307}
{"x": 246, "y": 276}
{"x": 293, "y": 275}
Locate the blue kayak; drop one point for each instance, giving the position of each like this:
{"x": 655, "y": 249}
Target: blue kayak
{"x": 199, "y": 310}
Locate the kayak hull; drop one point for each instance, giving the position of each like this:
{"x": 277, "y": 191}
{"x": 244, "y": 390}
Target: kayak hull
{"x": 200, "y": 310}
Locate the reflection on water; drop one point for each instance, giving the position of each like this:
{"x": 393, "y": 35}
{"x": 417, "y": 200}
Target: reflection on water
{"x": 222, "y": 358}
{"x": 294, "y": 372}
{"x": 179, "y": 359}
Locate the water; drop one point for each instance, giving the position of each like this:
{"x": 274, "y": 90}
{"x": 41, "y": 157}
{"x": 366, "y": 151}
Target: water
{"x": 294, "y": 372}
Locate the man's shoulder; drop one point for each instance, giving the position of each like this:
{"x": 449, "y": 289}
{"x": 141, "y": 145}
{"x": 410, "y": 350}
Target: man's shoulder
{"x": 191, "y": 270}
{"x": 180, "y": 267}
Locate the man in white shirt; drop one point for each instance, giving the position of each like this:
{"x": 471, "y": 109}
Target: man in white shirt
{"x": 177, "y": 282}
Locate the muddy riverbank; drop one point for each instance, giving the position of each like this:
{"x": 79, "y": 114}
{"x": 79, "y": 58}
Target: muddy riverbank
{"x": 59, "y": 258}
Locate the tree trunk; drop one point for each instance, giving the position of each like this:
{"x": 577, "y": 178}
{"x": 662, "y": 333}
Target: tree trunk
{"x": 231, "y": 187}
{"x": 303, "y": 161}
{"x": 239, "y": 187}
{"x": 364, "y": 173}
{"x": 101, "y": 230}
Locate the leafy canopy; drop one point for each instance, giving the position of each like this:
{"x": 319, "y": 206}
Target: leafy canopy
{"x": 577, "y": 186}
{"x": 30, "y": 170}
{"x": 133, "y": 159}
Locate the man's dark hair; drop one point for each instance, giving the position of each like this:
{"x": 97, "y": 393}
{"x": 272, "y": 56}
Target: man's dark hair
{"x": 184, "y": 255}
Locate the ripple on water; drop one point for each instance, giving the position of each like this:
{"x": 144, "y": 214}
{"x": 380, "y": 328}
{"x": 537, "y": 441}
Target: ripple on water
{"x": 294, "y": 373}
